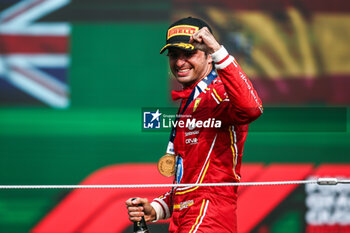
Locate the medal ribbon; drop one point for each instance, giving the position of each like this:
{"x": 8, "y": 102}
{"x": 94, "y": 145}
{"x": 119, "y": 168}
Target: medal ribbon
{"x": 202, "y": 85}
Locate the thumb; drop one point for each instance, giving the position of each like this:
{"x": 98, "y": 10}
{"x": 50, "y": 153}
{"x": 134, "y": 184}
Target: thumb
{"x": 139, "y": 201}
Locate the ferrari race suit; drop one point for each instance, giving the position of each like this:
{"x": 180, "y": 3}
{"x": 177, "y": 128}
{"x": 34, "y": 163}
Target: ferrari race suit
{"x": 209, "y": 149}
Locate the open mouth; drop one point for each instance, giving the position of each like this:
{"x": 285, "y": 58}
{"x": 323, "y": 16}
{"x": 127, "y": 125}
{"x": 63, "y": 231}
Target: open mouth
{"x": 183, "y": 72}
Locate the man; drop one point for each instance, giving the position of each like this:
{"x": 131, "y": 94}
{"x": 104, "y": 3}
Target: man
{"x": 203, "y": 154}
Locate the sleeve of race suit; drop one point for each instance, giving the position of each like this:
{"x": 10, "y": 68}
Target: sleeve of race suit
{"x": 163, "y": 206}
{"x": 245, "y": 103}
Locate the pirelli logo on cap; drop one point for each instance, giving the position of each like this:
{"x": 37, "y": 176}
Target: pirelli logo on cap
{"x": 181, "y": 30}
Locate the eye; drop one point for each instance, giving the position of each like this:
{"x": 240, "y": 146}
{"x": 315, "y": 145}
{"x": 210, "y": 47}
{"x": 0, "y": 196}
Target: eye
{"x": 182, "y": 54}
{"x": 172, "y": 55}
{"x": 189, "y": 54}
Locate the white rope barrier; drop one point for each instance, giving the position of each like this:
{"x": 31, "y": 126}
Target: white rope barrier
{"x": 319, "y": 181}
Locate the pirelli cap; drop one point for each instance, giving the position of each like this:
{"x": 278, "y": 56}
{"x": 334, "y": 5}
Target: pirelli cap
{"x": 179, "y": 33}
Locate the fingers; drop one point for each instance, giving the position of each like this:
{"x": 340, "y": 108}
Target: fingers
{"x": 204, "y": 40}
{"x": 198, "y": 36}
{"x": 197, "y": 39}
{"x": 135, "y": 213}
{"x": 143, "y": 201}
{"x": 136, "y": 208}
{"x": 135, "y": 201}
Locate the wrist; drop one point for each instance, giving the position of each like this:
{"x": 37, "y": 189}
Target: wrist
{"x": 152, "y": 217}
{"x": 157, "y": 212}
{"x": 216, "y": 48}
{"x": 219, "y": 54}
{"x": 222, "y": 59}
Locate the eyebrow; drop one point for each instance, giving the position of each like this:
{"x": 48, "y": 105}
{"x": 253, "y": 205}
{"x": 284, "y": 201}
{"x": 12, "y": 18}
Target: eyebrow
{"x": 176, "y": 52}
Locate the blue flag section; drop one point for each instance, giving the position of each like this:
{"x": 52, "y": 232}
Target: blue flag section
{"x": 34, "y": 56}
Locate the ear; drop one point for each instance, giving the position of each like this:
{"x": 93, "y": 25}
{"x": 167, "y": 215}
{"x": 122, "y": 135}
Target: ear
{"x": 209, "y": 59}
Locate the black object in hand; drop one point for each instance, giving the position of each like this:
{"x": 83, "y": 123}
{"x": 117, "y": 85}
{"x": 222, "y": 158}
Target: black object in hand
{"x": 141, "y": 226}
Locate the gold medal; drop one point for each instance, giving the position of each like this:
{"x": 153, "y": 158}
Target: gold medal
{"x": 166, "y": 165}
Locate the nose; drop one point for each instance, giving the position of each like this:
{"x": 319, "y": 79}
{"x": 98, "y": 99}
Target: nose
{"x": 180, "y": 61}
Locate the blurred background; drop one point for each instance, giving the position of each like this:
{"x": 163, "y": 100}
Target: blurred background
{"x": 74, "y": 76}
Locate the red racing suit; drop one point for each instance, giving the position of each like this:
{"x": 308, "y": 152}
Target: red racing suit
{"x": 211, "y": 154}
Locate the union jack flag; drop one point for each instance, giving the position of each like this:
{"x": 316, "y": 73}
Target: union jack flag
{"x": 34, "y": 55}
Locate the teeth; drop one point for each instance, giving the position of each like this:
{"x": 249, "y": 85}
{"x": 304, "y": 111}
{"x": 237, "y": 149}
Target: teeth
{"x": 184, "y": 70}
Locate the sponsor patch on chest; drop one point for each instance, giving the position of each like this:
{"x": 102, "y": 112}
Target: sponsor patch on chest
{"x": 191, "y": 133}
{"x": 183, "y": 205}
{"x": 191, "y": 141}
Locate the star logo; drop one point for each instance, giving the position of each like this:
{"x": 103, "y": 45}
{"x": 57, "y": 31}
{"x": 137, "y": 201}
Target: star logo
{"x": 156, "y": 115}
{"x": 151, "y": 119}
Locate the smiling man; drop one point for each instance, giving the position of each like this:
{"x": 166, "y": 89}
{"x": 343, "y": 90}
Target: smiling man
{"x": 188, "y": 67}
{"x": 216, "y": 89}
